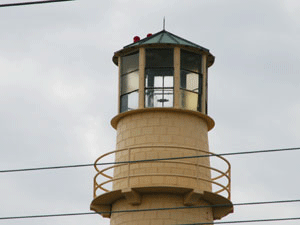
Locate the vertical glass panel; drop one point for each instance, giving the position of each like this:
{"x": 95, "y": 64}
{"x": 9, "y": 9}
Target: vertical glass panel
{"x": 129, "y": 101}
{"x": 168, "y": 98}
{"x": 159, "y": 57}
{"x": 158, "y": 81}
{"x": 130, "y": 63}
{"x": 168, "y": 81}
{"x": 190, "y": 61}
{"x": 189, "y": 100}
{"x": 159, "y": 97}
{"x": 158, "y": 78}
{"x": 190, "y": 81}
{"x": 129, "y": 82}
{"x": 149, "y": 98}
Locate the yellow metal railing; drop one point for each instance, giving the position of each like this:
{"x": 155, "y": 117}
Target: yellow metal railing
{"x": 215, "y": 181}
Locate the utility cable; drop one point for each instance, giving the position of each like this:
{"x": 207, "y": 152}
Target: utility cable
{"x": 151, "y": 209}
{"x": 150, "y": 160}
{"x": 246, "y": 221}
{"x": 32, "y": 3}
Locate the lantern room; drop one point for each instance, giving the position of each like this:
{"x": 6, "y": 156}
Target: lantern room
{"x": 163, "y": 71}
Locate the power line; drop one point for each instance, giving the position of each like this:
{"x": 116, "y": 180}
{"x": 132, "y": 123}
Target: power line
{"x": 153, "y": 209}
{"x": 246, "y": 221}
{"x": 47, "y": 168}
{"x": 150, "y": 160}
{"x": 32, "y": 3}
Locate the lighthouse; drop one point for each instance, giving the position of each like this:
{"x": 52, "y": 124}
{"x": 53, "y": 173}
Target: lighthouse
{"x": 163, "y": 171}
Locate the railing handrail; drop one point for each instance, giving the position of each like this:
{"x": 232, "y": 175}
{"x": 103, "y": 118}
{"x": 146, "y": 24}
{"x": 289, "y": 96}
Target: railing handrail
{"x": 101, "y": 172}
{"x": 226, "y": 174}
{"x": 223, "y": 188}
{"x": 161, "y": 146}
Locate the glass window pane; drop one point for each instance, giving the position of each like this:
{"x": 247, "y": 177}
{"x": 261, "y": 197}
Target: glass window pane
{"x": 130, "y": 63}
{"x": 190, "y": 81}
{"x": 168, "y": 81}
{"x": 159, "y": 57}
{"x": 129, "y": 101}
{"x": 129, "y": 82}
{"x": 189, "y": 100}
{"x": 159, "y": 98}
{"x": 159, "y": 78}
{"x": 168, "y": 98}
{"x": 190, "y": 61}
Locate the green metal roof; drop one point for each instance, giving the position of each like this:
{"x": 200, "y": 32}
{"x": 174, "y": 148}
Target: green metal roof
{"x": 165, "y": 37}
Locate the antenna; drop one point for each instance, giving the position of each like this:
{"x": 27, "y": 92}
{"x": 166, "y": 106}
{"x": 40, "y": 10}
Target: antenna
{"x": 164, "y": 23}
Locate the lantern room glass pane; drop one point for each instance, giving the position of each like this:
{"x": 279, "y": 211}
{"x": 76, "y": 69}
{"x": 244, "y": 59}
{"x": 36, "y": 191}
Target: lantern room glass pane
{"x": 189, "y": 100}
{"x": 190, "y": 61}
{"x": 190, "y": 81}
{"x": 129, "y": 82}
{"x": 130, "y": 63}
{"x": 159, "y": 57}
{"x": 129, "y": 101}
{"x": 159, "y": 77}
{"x": 162, "y": 97}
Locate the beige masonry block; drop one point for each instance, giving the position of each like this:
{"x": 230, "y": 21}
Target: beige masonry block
{"x": 160, "y": 130}
{"x": 171, "y": 180}
{"x": 164, "y": 170}
{"x": 134, "y": 181}
{"x": 151, "y": 170}
{"x": 130, "y": 142}
{"x": 150, "y": 215}
{"x": 157, "y": 222}
{"x": 147, "y": 222}
{"x": 166, "y": 122}
{"x": 141, "y": 123}
{"x": 141, "y": 140}
{"x": 139, "y": 156}
{"x": 145, "y": 181}
{"x": 166, "y": 139}
{"x": 147, "y": 130}
{"x": 190, "y": 142}
{"x": 164, "y": 154}
{"x": 152, "y": 155}
{"x": 153, "y": 139}
{"x": 131, "y": 125}
{"x": 157, "y": 180}
{"x": 154, "y": 121}
{"x": 135, "y": 132}
{"x": 121, "y": 144}
{"x": 173, "y": 131}
{"x": 126, "y": 135}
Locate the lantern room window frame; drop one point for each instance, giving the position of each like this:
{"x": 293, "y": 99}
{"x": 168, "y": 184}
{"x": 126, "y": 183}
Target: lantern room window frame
{"x": 168, "y": 95}
{"x": 129, "y": 82}
{"x": 191, "y": 80}
{"x": 158, "y": 87}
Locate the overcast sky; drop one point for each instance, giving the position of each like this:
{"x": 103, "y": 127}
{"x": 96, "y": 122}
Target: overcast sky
{"x": 58, "y": 93}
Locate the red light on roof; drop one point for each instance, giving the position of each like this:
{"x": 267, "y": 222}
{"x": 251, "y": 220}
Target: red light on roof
{"x": 149, "y": 35}
{"x": 136, "y": 39}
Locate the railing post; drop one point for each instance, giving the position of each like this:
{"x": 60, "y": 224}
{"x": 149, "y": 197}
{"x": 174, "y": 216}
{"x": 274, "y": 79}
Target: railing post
{"x": 197, "y": 168}
{"x": 94, "y": 192}
{"x": 128, "y": 174}
{"x": 229, "y": 180}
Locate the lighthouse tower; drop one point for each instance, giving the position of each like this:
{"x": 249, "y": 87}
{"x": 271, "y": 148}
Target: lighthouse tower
{"x": 162, "y": 159}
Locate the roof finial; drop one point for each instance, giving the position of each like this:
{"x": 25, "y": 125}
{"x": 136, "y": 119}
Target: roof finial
{"x": 164, "y": 23}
